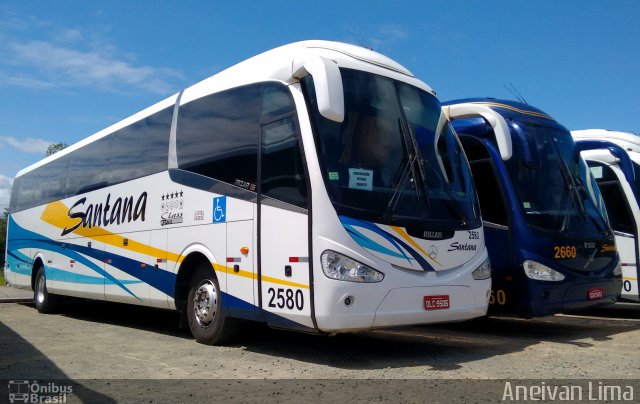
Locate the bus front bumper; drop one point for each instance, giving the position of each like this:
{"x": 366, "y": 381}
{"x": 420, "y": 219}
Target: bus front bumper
{"x": 419, "y": 305}
{"x": 548, "y": 299}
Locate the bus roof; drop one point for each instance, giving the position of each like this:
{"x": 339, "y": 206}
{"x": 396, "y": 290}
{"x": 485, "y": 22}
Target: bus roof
{"x": 507, "y": 108}
{"x": 630, "y": 141}
{"x": 275, "y": 64}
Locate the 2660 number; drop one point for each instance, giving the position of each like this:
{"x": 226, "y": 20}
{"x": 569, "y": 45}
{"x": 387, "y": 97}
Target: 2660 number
{"x": 564, "y": 252}
{"x": 286, "y": 298}
{"x": 498, "y": 296}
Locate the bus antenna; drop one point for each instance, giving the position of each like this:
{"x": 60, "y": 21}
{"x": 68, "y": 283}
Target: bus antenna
{"x": 514, "y": 91}
{"x": 359, "y": 39}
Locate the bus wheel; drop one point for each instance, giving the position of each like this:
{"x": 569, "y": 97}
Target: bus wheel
{"x": 45, "y": 302}
{"x": 205, "y": 313}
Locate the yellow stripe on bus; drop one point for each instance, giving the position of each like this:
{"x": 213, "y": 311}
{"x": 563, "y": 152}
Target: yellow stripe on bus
{"x": 55, "y": 214}
{"x": 521, "y": 111}
{"x": 251, "y": 275}
{"x": 630, "y": 279}
{"x": 411, "y": 241}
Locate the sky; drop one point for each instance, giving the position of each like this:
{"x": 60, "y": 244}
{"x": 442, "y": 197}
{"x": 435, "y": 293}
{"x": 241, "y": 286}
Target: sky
{"x": 69, "y": 69}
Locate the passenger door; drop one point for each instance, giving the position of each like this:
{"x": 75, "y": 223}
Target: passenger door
{"x": 495, "y": 219}
{"x": 284, "y": 277}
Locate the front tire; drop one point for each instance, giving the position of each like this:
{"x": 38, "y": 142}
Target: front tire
{"x": 44, "y": 301}
{"x": 205, "y": 312}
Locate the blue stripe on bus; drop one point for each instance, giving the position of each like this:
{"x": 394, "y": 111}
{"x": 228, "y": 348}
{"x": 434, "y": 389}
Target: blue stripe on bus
{"x": 236, "y": 307}
{"x": 366, "y": 242}
{"x": 61, "y": 275}
{"x": 159, "y": 279}
{"x": 350, "y": 223}
{"x": 13, "y": 260}
{"x": 34, "y": 240}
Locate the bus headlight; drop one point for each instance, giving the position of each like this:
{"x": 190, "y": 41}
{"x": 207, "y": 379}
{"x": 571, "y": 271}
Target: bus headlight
{"x": 483, "y": 271}
{"x": 617, "y": 271}
{"x": 539, "y": 272}
{"x": 343, "y": 268}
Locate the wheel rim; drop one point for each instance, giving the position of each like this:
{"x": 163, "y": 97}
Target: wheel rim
{"x": 205, "y": 303}
{"x": 40, "y": 288}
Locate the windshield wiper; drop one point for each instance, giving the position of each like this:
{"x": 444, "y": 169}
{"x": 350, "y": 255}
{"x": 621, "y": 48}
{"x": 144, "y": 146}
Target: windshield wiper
{"x": 416, "y": 152}
{"x": 395, "y": 197}
{"x": 573, "y": 195}
{"x": 406, "y": 171}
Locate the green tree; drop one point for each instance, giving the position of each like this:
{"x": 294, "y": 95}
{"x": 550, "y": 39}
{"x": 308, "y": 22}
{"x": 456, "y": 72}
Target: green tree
{"x": 54, "y": 148}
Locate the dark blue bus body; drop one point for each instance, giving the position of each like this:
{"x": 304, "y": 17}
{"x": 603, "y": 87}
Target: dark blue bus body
{"x": 550, "y": 245}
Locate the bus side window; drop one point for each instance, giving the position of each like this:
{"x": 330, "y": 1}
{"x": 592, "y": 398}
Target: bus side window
{"x": 42, "y": 185}
{"x": 141, "y": 148}
{"x": 282, "y": 174}
{"x": 218, "y": 135}
{"x": 282, "y": 171}
{"x": 492, "y": 203}
{"x": 615, "y": 200}
{"x": 89, "y": 167}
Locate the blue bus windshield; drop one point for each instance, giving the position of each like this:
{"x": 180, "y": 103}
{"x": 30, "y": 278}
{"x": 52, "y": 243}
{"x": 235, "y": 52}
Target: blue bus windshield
{"x": 553, "y": 184}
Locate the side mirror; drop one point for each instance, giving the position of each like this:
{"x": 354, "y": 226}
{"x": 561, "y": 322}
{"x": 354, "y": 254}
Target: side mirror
{"x": 497, "y": 122}
{"x": 616, "y": 150}
{"x": 327, "y": 82}
{"x": 529, "y": 149}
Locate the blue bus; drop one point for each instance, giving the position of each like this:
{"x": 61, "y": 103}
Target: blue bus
{"x": 550, "y": 243}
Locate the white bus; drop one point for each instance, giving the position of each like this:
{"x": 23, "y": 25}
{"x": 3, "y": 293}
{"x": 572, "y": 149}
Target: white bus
{"x": 617, "y": 172}
{"x": 316, "y": 187}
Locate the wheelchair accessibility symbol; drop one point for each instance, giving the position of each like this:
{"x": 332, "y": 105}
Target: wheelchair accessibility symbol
{"x": 219, "y": 209}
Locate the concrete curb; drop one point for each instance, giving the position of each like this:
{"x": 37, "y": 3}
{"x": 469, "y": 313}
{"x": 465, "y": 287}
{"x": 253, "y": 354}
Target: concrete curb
{"x": 13, "y": 295}
{"x": 15, "y": 300}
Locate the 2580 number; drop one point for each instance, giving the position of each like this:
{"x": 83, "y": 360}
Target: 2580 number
{"x": 286, "y": 298}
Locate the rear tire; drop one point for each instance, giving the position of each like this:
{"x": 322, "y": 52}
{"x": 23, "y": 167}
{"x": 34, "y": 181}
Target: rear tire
{"x": 205, "y": 311}
{"x": 44, "y": 301}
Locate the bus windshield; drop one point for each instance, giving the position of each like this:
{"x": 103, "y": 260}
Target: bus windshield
{"x": 554, "y": 186}
{"x": 395, "y": 159}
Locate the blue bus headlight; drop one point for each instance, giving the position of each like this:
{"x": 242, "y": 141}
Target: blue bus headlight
{"x": 617, "y": 271}
{"x": 483, "y": 271}
{"x": 539, "y": 272}
{"x": 343, "y": 268}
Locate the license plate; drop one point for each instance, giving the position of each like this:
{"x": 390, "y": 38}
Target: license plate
{"x": 595, "y": 293}
{"x": 440, "y": 302}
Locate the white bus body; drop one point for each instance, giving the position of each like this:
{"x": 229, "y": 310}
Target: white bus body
{"x": 129, "y": 215}
{"x": 622, "y": 204}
